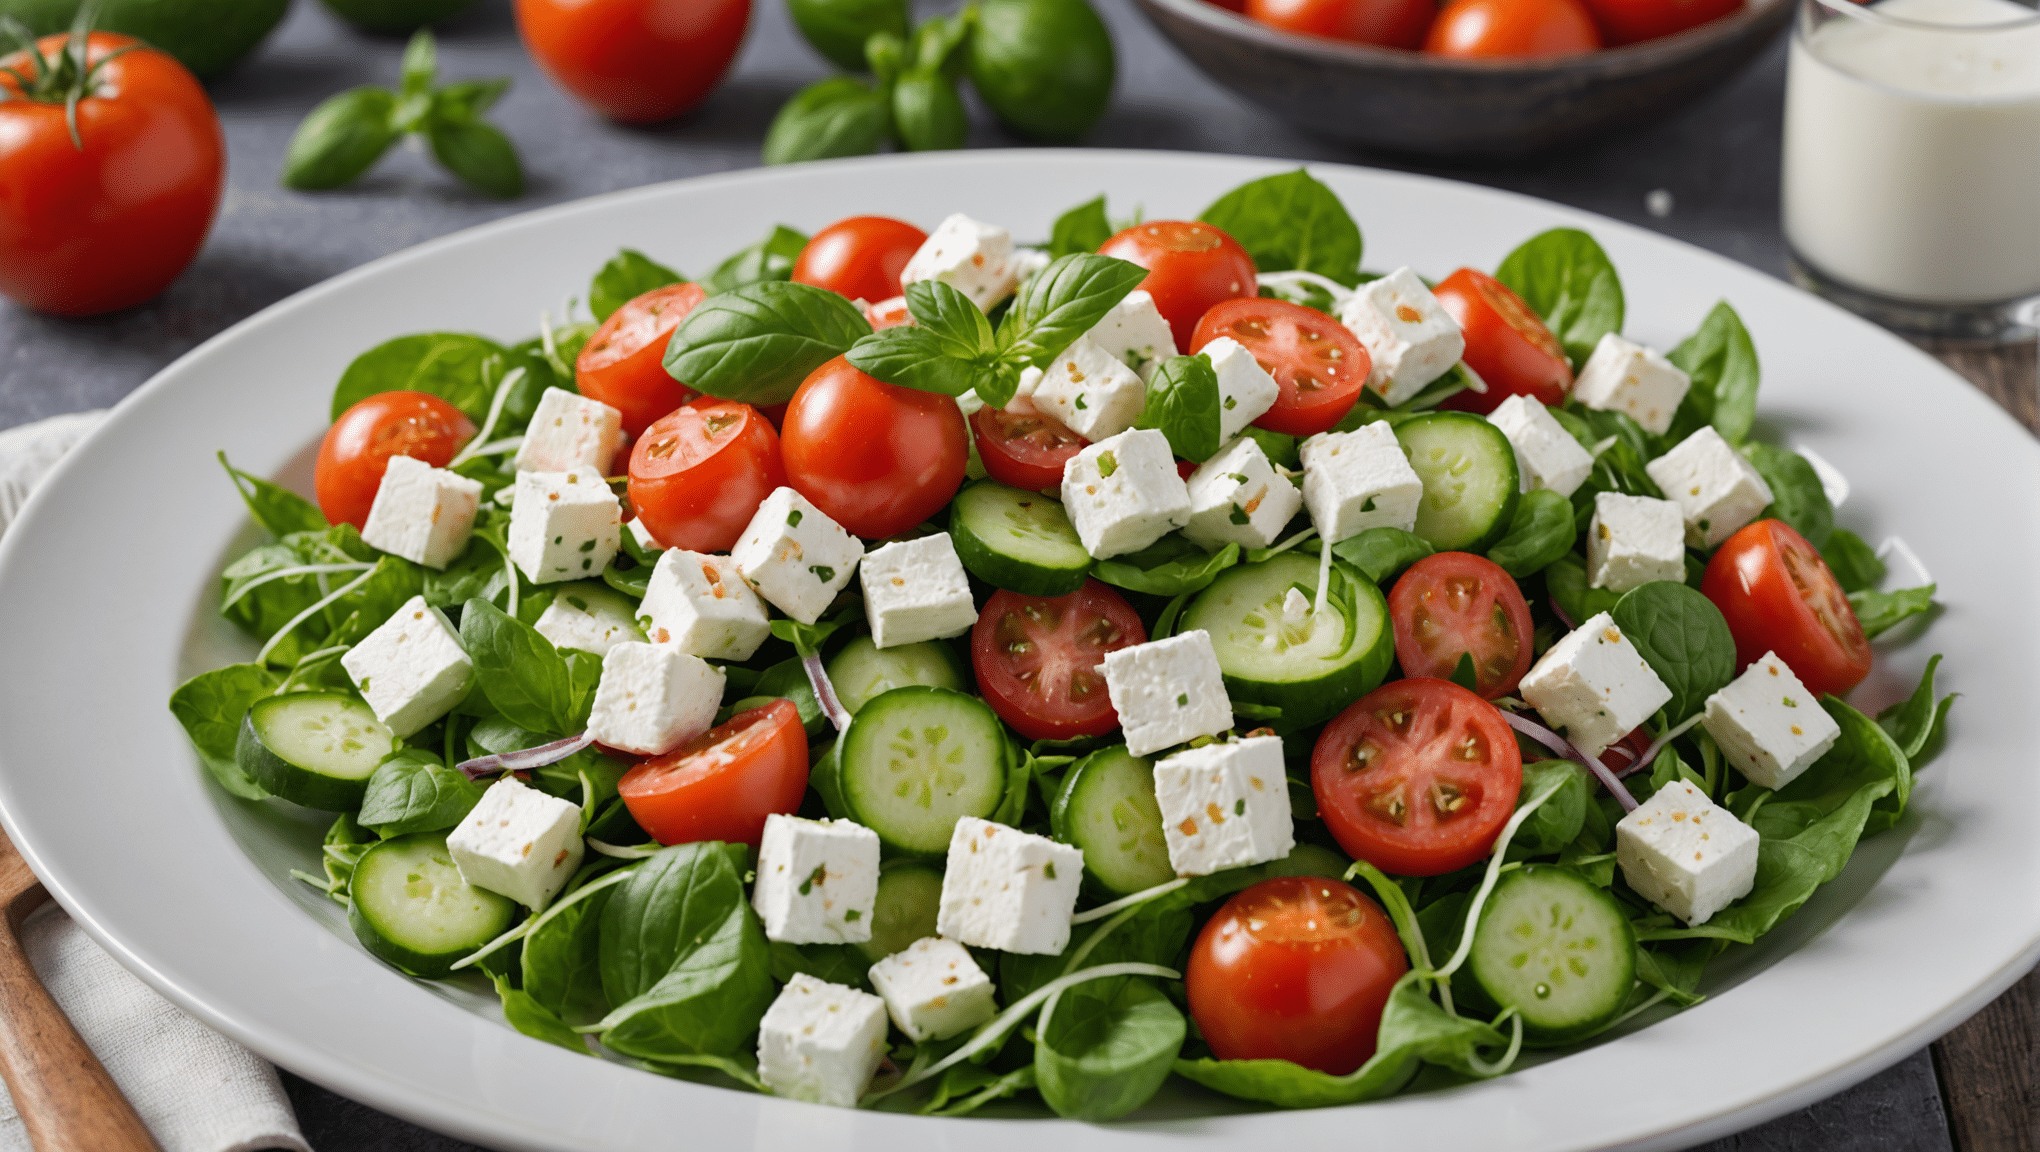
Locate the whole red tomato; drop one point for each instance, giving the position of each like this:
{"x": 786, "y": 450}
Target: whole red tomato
{"x": 638, "y": 61}
{"x": 108, "y": 219}
{"x": 1191, "y": 266}
{"x": 860, "y": 257}
{"x": 1391, "y": 23}
{"x": 878, "y": 458}
{"x": 358, "y": 447}
{"x": 698, "y": 475}
{"x": 1512, "y": 29}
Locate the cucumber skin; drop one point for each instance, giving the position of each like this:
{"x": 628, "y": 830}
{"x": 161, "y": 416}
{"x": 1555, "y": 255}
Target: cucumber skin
{"x": 1542, "y": 1037}
{"x": 979, "y": 558}
{"x": 427, "y": 966}
{"x": 1059, "y": 817}
{"x": 1500, "y": 527}
{"x": 282, "y": 778}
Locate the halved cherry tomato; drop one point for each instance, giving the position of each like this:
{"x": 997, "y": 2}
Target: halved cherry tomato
{"x": 888, "y": 313}
{"x": 1515, "y": 354}
{"x": 698, "y": 475}
{"x": 1779, "y": 596}
{"x": 1512, "y": 29}
{"x": 1628, "y": 21}
{"x": 1037, "y": 659}
{"x": 860, "y": 257}
{"x": 878, "y": 458}
{"x": 1295, "y": 968}
{"x": 358, "y": 447}
{"x": 1456, "y": 604}
{"x": 1317, "y": 361}
{"x": 1023, "y": 449}
{"x": 1417, "y": 777}
{"x": 623, "y": 363}
{"x": 722, "y": 784}
{"x": 1390, "y": 23}
{"x": 1191, "y": 266}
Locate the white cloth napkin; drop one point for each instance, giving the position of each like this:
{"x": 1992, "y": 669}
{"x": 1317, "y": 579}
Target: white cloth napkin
{"x": 196, "y": 1090}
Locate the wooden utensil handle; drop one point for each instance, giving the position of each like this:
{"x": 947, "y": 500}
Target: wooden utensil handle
{"x": 66, "y": 1099}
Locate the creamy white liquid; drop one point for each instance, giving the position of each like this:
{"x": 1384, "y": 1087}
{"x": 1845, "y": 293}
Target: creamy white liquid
{"x": 1912, "y": 156}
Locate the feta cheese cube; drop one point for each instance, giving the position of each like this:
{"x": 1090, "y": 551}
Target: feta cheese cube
{"x": 701, "y": 605}
{"x": 934, "y": 989}
{"x": 1353, "y": 481}
{"x": 518, "y": 842}
{"x": 1686, "y": 854}
{"x": 1634, "y": 540}
{"x": 1715, "y": 488}
{"x": 1225, "y": 805}
{"x": 421, "y": 513}
{"x": 1090, "y": 391}
{"x": 1135, "y": 333}
{"x": 589, "y": 617}
{"x": 643, "y": 535}
{"x": 1547, "y": 456}
{"x": 1624, "y": 376}
{"x": 1027, "y": 262}
{"x": 795, "y": 556}
{"x": 1594, "y": 684}
{"x": 1124, "y": 493}
{"x": 652, "y": 699}
{"x": 821, "y": 1042}
{"x": 1245, "y": 390}
{"x": 1022, "y": 403}
{"x": 1008, "y": 889}
{"x": 1410, "y": 338}
{"x": 564, "y": 525}
{"x": 817, "y": 880}
{"x": 974, "y": 258}
{"x": 1237, "y": 497}
{"x": 570, "y": 432}
{"x": 1168, "y": 691}
{"x": 1769, "y": 725}
{"x": 916, "y": 590}
{"x": 411, "y": 670}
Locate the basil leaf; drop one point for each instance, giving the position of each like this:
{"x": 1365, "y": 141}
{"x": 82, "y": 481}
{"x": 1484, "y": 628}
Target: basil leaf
{"x": 1084, "y": 228}
{"x": 1683, "y": 637}
{"x": 950, "y": 315}
{"x": 1183, "y": 404}
{"x": 1106, "y": 1048}
{"x": 1567, "y": 279}
{"x": 1722, "y": 360}
{"x": 446, "y": 364}
{"x": 519, "y": 671}
{"x": 421, "y": 63}
{"x": 840, "y": 116}
{"x": 927, "y": 114}
{"x": 273, "y": 506}
{"x": 467, "y": 99}
{"x": 1190, "y": 572}
{"x": 1880, "y": 612}
{"x": 211, "y": 706}
{"x": 628, "y": 275}
{"x": 1291, "y": 221}
{"x": 479, "y": 154}
{"x": 1380, "y": 553}
{"x": 340, "y": 139}
{"x": 769, "y": 259}
{"x": 411, "y": 791}
{"x": 758, "y": 342}
{"x": 1797, "y": 496}
{"x": 1855, "y": 565}
{"x": 1062, "y": 302}
{"x": 913, "y": 357}
{"x": 839, "y": 29}
{"x": 1540, "y": 531}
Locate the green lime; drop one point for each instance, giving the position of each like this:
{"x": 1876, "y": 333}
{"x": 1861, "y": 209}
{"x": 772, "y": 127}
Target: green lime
{"x": 209, "y": 36}
{"x": 839, "y": 28}
{"x": 1045, "y": 66}
{"x": 395, "y": 15}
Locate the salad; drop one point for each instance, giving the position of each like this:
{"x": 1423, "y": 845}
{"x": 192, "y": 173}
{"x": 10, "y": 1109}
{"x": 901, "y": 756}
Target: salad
{"x": 911, "y": 670}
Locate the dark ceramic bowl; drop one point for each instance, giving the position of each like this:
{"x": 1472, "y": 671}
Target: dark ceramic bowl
{"x": 1440, "y": 108}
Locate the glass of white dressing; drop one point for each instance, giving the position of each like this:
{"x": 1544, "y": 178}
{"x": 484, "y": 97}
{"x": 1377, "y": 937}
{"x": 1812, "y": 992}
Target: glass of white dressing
{"x": 1912, "y": 162}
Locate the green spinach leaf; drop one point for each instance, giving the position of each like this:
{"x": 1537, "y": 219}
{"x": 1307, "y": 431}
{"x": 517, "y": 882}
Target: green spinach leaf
{"x": 1291, "y": 221}
{"x": 1191, "y": 571}
{"x": 1880, "y": 612}
{"x": 561, "y": 961}
{"x": 273, "y": 506}
{"x": 1540, "y": 531}
{"x": 1916, "y": 720}
{"x": 211, "y": 706}
{"x": 1558, "y": 821}
{"x": 1380, "y": 553}
{"x": 519, "y": 671}
{"x": 1855, "y": 565}
{"x": 448, "y": 365}
{"x": 1566, "y": 580}
{"x": 1683, "y": 637}
{"x": 1106, "y": 1048}
{"x": 628, "y": 275}
{"x": 524, "y": 1012}
{"x": 411, "y": 791}
{"x": 1084, "y": 228}
{"x": 1568, "y": 280}
{"x": 1797, "y": 495}
{"x": 1183, "y": 405}
{"x": 1722, "y": 360}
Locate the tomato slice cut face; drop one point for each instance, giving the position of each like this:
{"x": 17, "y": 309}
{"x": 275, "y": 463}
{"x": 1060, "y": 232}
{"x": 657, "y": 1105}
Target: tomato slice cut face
{"x": 623, "y": 363}
{"x": 1453, "y": 605}
{"x": 722, "y": 784}
{"x": 1778, "y": 595}
{"x": 1417, "y": 777}
{"x": 1317, "y": 362}
{"x": 1023, "y": 449}
{"x": 1038, "y": 659}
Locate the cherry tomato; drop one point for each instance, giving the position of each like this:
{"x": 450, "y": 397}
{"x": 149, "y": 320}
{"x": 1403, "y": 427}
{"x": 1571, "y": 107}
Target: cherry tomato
{"x": 722, "y": 784}
{"x": 698, "y": 475}
{"x": 1417, "y": 777}
{"x": 108, "y": 221}
{"x": 1229, "y": 5}
{"x": 1779, "y": 596}
{"x": 358, "y": 447}
{"x": 624, "y": 362}
{"x": 878, "y": 458}
{"x": 1455, "y": 604}
{"x": 888, "y": 313}
{"x": 1295, "y": 968}
{"x": 1628, "y": 21}
{"x": 1024, "y": 449}
{"x": 1191, "y": 266}
{"x": 1317, "y": 361}
{"x": 1506, "y": 342}
{"x": 1038, "y": 659}
{"x": 860, "y": 257}
{"x": 1390, "y": 23}
{"x": 638, "y": 61}
{"x": 1512, "y": 29}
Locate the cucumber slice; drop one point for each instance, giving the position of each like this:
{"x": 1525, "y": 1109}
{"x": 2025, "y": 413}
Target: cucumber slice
{"x": 1469, "y": 475}
{"x": 1558, "y": 949}
{"x": 1017, "y": 540}
{"x": 408, "y": 905}
{"x": 1107, "y": 808}
{"x": 909, "y": 895}
{"x": 863, "y": 670}
{"x": 915, "y": 761}
{"x": 1309, "y": 668}
{"x": 317, "y": 749}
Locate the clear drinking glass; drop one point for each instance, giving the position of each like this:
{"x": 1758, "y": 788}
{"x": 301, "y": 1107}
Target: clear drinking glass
{"x": 1912, "y": 162}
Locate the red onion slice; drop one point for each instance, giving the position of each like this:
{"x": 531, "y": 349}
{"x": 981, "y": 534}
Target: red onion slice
{"x": 825, "y": 692}
{"x": 1571, "y": 751}
{"x": 1560, "y": 613}
{"x": 525, "y": 758}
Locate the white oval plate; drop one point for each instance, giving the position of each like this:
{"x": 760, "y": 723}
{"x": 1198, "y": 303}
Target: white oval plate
{"x": 107, "y": 601}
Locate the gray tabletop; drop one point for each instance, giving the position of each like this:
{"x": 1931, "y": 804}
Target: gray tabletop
{"x": 1718, "y": 161}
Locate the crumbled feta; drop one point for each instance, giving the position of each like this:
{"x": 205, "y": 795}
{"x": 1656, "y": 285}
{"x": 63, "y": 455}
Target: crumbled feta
{"x": 934, "y": 989}
{"x": 821, "y": 1042}
{"x": 1225, "y": 805}
{"x": 916, "y": 590}
{"x": 1547, "y": 456}
{"x": 817, "y": 880}
{"x": 518, "y": 842}
{"x": 652, "y": 698}
{"x": 1410, "y": 339}
{"x": 795, "y": 556}
{"x": 564, "y": 525}
{"x": 568, "y": 432}
{"x": 701, "y": 605}
{"x": 1168, "y": 691}
{"x": 421, "y": 513}
{"x": 1768, "y": 725}
{"x": 1090, "y": 391}
{"x": 1634, "y": 540}
{"x": 1715, "y": 488}
{"x": 1245, "y": 390}
{"x": 1353, "y": 481}
{"x": 1594, "y": 684}
{"x": 1029, "y": 261}
{"x": 1624, "y": 376}
{"x": 1237, "y": 497}
{"x": 1135, "y": 332}
{"x": 411, "y": 670}
{"x": 1008, "y": 889}
{"x": 1124, "y": 493}
{"x": 1686, "y": 854}
{"x": 975, "y": 259}
{"x": 589, "y": 617}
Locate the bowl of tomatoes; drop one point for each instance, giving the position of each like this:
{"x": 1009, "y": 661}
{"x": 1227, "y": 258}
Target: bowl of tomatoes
{"x": 1469, "y": 79}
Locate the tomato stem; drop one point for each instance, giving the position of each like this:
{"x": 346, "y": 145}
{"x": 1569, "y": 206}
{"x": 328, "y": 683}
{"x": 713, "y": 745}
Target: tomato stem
{"x": 64, "y": 78}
